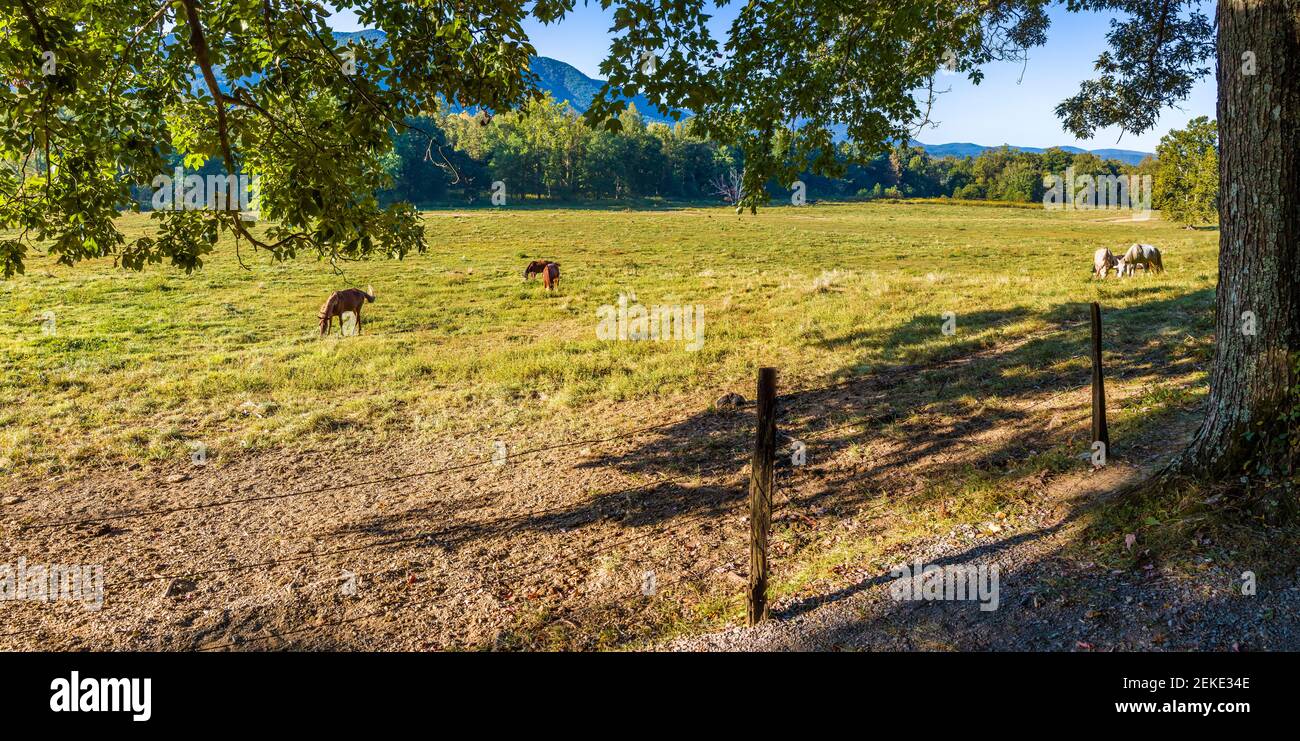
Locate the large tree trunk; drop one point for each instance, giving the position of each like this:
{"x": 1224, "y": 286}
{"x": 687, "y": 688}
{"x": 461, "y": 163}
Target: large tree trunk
{"x": 1259, "y": 231}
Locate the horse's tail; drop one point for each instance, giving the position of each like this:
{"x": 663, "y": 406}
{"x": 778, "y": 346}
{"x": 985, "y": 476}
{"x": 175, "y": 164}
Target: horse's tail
{"x": 1160, "y": 264}
{"x": 369, "y": 293}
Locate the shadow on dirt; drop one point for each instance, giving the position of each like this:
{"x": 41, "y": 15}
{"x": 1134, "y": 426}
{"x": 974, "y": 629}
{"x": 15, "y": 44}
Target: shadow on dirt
{"x": 972, "y": 404}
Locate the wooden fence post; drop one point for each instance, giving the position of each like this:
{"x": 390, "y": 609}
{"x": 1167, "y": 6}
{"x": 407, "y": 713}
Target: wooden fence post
{"x": 1099, "y": 429}
{"x": 760, "y": 494}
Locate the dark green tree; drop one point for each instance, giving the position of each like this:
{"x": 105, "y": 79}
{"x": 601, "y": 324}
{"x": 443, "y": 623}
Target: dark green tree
{"x": 1187, "y": 173}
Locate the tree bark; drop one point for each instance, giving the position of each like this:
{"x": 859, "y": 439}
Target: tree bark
{"x": 1253, "y": 375}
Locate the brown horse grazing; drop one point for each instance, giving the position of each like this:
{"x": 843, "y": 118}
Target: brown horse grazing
{"x": 535, "y": 267}
{"x": 340, "y": 303}
{"x": 551, "y": 276}
{"x": 550, "y": 272}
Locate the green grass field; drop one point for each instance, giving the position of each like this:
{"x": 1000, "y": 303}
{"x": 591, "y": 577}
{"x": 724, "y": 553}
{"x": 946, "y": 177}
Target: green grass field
{"x": 137, "y": 366}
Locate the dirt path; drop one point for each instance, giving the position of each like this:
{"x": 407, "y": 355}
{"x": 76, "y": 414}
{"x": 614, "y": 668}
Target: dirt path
{"x": 212, "y": 558}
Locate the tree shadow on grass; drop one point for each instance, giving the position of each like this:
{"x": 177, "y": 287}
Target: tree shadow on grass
{"x": 970, "y": 405}
{"x": 829, "y": 493}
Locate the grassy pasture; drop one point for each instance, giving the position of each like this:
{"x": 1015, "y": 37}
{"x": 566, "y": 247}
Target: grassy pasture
{"x": 138, "y": 366}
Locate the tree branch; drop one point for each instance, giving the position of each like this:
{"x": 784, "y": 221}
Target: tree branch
{"x": 125, "y": 52}
{"x": 204, "y": 59}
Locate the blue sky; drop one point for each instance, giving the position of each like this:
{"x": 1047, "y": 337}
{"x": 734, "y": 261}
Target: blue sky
{"x": 1003, "y": 109}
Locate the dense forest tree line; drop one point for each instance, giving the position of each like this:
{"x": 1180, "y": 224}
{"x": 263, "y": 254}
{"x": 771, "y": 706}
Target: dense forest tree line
{"x": 546, "y": 150}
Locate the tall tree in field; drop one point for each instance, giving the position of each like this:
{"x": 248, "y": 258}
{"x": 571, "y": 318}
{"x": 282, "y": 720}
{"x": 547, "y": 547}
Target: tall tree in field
{"x": 131, "y": 83}
{"x": 1253, "y": 416}
{"x": 1187, "y": 173}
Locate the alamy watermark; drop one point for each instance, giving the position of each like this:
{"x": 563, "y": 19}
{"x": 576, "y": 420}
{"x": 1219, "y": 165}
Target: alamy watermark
{"x": 649, "y": 63}
{"x": 798, "y": 453}
{"x": 662, "y": 323}
{"x": 95, "y": 695}
{"x": 949, "y": 326}
{"x": 920, "y": 581}
{"x": 181, "y": 192}
{"x": 49, "y": 323}
{"x": 1249, "y": 324}
{"x": 52, "y": 582}
{"x": 1087, "y": 192}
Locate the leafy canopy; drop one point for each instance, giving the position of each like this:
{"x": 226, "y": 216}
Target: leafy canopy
{"x": 100, "y": 96}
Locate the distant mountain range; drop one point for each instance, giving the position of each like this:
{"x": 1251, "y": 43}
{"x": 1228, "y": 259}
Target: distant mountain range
{"x": 966, "y": 149}
{"x": 565, "y": 82}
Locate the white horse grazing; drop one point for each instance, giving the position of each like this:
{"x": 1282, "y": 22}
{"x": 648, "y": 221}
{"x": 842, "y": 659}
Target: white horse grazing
{"x": 1103, "y": 261}
{"x": 1146, "y": 255}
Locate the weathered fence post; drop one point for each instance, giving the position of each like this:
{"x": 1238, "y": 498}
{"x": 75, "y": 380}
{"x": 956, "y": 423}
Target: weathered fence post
{"x": 1099, "y": 431}
{"x": 760, "y": 494}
